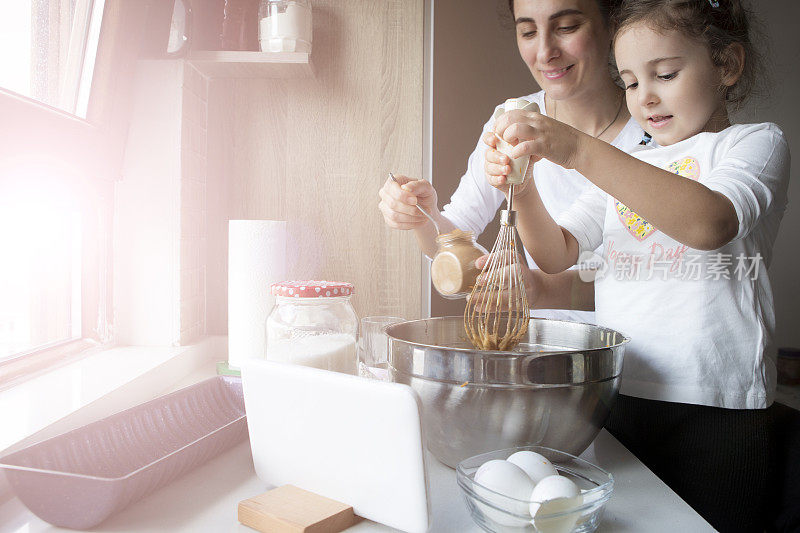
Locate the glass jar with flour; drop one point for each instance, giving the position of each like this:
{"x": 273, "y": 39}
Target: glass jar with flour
{"x": 313, "y": 324}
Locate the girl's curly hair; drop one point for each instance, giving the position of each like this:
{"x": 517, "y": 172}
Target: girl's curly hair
{"x": 716, "y": 24}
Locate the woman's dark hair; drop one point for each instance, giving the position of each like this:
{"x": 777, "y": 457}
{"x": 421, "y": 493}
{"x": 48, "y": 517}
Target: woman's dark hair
{"x": 717, "y": 24}
{"x": 607, "y": 8}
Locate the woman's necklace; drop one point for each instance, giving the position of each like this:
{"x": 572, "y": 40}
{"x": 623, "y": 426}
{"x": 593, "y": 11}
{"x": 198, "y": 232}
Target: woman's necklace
{"x": 613, "y": 120}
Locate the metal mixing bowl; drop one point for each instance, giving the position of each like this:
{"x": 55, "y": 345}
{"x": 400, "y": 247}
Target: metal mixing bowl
{"x": 555, "y": 389}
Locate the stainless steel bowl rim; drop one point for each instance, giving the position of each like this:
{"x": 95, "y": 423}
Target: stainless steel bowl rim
{"x": 503, "y": 385}
{"x": 558, "y": 353}
{"x": 466, "y": 483}
{"x": 626, "y": 339}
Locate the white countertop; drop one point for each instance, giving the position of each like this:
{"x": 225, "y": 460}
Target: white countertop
{"x": 206, "y": 499}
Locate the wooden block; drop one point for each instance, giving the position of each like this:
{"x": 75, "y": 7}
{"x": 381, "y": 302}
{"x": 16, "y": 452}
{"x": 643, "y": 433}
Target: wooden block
{"x": 289, "y": 509}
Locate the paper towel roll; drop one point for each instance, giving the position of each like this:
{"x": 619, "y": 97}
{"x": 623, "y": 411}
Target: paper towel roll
{"x": 256, "y": 259}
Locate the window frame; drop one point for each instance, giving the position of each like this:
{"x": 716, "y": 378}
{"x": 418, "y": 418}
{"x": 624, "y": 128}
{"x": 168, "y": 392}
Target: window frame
{"x": 27, "y": 121}
{"x": 88, "y": 18}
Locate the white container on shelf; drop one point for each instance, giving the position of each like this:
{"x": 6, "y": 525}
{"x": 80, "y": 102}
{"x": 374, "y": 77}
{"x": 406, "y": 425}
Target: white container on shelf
{"x": 284, "y": 25}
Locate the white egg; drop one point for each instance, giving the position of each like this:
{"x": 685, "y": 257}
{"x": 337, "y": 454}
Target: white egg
{"x": 555, "y": 494}
{"x": 510, "y": 480}
{"x": 535, "y": 465}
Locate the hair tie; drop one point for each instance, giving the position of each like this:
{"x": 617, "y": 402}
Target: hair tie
{"x": 714, "y": 3}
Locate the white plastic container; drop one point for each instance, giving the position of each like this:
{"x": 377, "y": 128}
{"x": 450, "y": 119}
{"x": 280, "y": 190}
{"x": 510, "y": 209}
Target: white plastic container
{"x": 313, "y": 324}
{"x": 284, "y": 25}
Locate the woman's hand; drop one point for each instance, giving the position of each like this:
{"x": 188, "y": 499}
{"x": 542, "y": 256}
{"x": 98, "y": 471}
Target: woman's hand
{"x": 399, "y": 200}
{"x": 531, "y": 133}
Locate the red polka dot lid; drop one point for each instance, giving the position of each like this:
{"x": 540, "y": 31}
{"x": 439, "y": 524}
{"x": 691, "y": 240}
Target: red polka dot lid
{"x": 312, "y": 289}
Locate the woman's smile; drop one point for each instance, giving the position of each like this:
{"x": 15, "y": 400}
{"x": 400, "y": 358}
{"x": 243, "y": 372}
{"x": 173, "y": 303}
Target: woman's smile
{"x": 554, "y": 74}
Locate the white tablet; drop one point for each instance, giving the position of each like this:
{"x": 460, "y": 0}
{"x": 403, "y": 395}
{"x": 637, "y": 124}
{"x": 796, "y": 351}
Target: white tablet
{"x": 351, "y": 439}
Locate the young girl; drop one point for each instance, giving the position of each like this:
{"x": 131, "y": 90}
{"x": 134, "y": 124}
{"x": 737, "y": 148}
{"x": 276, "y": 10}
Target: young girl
{"x": 688, "y": 223}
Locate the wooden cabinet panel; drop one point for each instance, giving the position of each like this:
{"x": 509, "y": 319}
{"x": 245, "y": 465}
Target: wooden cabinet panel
{"x": 315, "y": 151}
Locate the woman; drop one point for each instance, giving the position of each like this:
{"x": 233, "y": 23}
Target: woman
{"x": 566, "y": 46}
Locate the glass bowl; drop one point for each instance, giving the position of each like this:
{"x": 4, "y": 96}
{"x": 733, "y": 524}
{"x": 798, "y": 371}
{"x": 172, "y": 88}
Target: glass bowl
{"x": 496, "y": 512}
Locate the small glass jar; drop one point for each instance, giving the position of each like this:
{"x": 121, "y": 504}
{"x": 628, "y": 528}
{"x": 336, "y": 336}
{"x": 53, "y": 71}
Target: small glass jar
{"x": 284, "y": 25}
{"x": 313, "y": 324}
{"x": 453, "y": 270}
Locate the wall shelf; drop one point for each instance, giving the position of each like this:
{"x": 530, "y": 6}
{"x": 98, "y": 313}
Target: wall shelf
{"x": 225, "y": 64}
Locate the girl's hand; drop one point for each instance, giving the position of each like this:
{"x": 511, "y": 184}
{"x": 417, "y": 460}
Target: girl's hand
{"x": 497, "y": 165}
{"x": 399, "y": 200}
{"x": 534, "y": 134}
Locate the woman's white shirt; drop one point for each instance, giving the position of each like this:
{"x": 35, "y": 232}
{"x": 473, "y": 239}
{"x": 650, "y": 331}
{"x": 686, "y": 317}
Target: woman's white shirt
{"x": 699, "y": 321}
{"x": 474, "y": 203}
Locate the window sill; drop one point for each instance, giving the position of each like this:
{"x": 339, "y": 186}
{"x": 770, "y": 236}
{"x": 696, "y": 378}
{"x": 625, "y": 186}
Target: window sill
{"x": 120, "y": 377}
{"x": 28, "y": 366}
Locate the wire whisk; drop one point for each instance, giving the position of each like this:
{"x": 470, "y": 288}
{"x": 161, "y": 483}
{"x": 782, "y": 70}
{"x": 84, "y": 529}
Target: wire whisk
{"x": 497, "y": 312}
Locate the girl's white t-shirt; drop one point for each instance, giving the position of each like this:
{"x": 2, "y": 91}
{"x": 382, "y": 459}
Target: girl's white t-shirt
{"x": 699, "y": 321}
{"x": 474, "y": 203}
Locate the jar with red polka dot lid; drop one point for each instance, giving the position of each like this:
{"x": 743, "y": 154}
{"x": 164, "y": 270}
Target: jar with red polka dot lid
{"x": 313, "y": 324}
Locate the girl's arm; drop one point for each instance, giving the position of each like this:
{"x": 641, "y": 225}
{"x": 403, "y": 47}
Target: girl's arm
{"x": 684, "y": 209}
{"x": 666, "y": 200}
{"x": 551, "y": 247}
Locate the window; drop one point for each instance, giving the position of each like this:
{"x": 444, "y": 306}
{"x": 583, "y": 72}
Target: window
{"x": 55, "y": 191}
{"x": 49, "y": 49}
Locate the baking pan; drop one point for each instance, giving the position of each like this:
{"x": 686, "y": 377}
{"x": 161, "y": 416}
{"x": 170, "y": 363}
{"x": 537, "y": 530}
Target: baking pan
{"x": 80, "y": 478}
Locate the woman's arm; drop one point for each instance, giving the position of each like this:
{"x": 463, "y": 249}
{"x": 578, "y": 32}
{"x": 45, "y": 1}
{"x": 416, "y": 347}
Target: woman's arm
{"x": 666, "y": 200}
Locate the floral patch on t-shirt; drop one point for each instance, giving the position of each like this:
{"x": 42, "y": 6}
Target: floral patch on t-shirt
{"x": 639, "y": 228}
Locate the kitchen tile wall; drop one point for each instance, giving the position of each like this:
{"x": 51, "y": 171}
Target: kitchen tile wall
{"x": 193, "y": 226}
{"x": 147, "y": 223}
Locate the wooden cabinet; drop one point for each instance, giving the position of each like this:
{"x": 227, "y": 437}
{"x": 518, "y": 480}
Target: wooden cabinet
{"x": 314, "y": 149}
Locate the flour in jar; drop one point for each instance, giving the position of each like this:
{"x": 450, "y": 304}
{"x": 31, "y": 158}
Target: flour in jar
{"x": 336, "y": 352}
